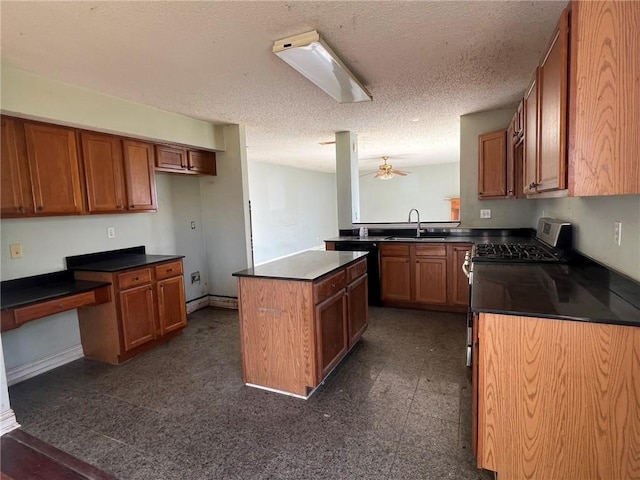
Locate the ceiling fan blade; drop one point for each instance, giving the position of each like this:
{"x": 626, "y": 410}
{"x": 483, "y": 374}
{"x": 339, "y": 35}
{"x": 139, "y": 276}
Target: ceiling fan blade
{"x": 401, "y": 172}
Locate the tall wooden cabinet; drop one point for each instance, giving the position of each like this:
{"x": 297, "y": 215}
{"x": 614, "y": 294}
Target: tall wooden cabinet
{"x": 104, "y": 172}
{"x": 604, "y": 118}
{"x": 15, "y": 188}
{"x": 147, "y": 308}
{"x": 139, "y": 176}
{"x": 492, "y": 163}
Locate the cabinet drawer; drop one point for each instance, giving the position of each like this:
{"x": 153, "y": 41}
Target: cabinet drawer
{"x": 325, "y": 288}
{"x": 431, "y": 250}
{"x": 395, "y": 250}
{"x": 134, "y": 278}
{"x": 168, "y": 270}
{"x": 354, "y": 271}
{"x": 51, "y": 307}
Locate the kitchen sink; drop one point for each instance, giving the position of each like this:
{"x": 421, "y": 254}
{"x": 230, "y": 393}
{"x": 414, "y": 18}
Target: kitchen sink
{"x": 415, "y": 239}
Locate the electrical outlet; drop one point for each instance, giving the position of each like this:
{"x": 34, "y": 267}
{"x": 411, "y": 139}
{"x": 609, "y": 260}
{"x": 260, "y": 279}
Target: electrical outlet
{"x": 16, "y": 250}
{"x": 111, "y": 232}
{"x": 193, "y": 225}
{"x": 617, "y": 233}
{"x": 195, "y": 277}
{"x": 485, "y": 213}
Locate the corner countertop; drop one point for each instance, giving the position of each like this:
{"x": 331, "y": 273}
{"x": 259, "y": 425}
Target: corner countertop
{"x": 306, "y": 266}
{"x": 39, "y": 288}
{"x": 566, "y": 292}
{"x": 117, "y": 260}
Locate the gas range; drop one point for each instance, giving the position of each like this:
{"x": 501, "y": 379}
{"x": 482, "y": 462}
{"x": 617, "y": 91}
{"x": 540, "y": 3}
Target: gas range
{"x": 552, "y": 244}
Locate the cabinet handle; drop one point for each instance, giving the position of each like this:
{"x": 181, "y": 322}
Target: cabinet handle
{"x": 136, "y": 279}
{"x": 515, "y": 134}
{"x": 40, "y": 208}
{"x": 333, "y": 285}
{"x": 131, "y": 206}
{"x": 510, "y": 192}
{"x": 170, "y": 270}
{"x": 20, "y": 209}
{"x": 533, "y": 185}
{"x": 60, "y": 306}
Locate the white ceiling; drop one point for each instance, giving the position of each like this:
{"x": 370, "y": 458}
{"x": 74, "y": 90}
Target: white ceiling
{"x": 430, "y": 61}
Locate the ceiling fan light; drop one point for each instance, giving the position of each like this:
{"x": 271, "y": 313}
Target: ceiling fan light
{"x": 313, "y": 58}
{"x": 386, "y": 176}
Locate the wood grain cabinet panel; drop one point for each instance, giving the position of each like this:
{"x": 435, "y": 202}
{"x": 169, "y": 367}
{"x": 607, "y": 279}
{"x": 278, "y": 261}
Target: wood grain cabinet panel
{"x": 530, "y": 170}
{"x": 458, "y": 289}
{"x": 357, "y": 308}
{"x": 54, "y": 169}
{"x": 332, "y": 333}
{"x": 15, "y": 189}
{"x": 200, "y": 161}
{"x": 395, "y": 278}
{"x": 431, "y": 280}
{"x": 171, "y": 301}
{"x": 171, "y": 158}
{"x": 558, "y": 399}
{"x": 104, "y": 172}
{"x": 140, "y": 176}
{"x": 492, "y": 164}
{"x": 136, "y": 306}
{"x": 604, "y": 133}
{"x": 552, "y": 111}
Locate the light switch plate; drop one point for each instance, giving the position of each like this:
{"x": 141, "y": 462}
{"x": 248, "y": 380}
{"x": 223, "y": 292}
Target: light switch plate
{"x": 16, "y": 250}
{"x": 485, "y": 213}
{"x": 111, "y": 232}
{"x": 617, "y": 233}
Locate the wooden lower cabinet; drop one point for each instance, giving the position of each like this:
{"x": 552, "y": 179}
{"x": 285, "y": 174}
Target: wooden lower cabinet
{"x": 147, "y": 308}
{"x": 424, "y": 275}
{"x": 293, "y": 332}
{"x": 557, "y": 398}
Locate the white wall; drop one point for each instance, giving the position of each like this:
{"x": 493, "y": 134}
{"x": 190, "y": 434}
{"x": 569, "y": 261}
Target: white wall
{"x": 427, "y": 188}
{"x": 33, "y": 96}
{"x": 504, "y": 212}
{"x": 292, "y": 209}
{"x": 593, "y": 219}
{"x": 225, "y": 215}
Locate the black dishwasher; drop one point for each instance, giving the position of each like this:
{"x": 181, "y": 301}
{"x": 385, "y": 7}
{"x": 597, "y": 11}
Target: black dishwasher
{"x": 373, "y": 265}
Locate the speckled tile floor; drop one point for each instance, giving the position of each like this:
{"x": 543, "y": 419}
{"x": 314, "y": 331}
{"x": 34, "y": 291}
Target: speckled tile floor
{"x": 398, "y": 407}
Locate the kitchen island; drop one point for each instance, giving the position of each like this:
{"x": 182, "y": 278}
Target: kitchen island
{"x": 299, "y": 316}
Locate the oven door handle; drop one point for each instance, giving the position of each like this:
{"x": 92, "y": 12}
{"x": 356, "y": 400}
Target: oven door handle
{"x": 465, "y": 265}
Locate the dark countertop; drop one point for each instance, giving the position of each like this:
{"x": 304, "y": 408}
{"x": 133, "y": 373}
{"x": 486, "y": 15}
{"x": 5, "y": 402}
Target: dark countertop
{"x": 116, "y": 260}
{"x": 481, "y": 238}
{"x": 39, "y": 288}
{"x": 554, "y": 291}
{"x": 306, "y": 266}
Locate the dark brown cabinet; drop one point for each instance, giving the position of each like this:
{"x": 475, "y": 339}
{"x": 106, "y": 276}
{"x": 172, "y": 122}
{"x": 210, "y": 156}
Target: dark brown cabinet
{"x": 492, "y": 164}
{"x": 177, "y": 159}
{"x": 331, "y": 331}
{"x": 530, "y": 168}
{"x": 15, "y": 189}
{"x": 357, "y": 308}
{"x": 104, "y": 172}
{"x": 147, "y": 308}
{"x": 139, "y": 176}
{"x": 54, "y": 169}
{"x": 424, "y": 275}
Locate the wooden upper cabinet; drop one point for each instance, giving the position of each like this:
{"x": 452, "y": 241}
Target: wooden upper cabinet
{"x": 200, "y": 161}
{"x": 139, "y": 176}
{"x": 552, "y": 111}
{"x": 604, "y": 125}
{"x": 54, "y": 169}
{"x": 104, "y": 172}
{"x": 15, "y": 188}
{"x": 171, "y": 158}
{"x": 492, "y": 163}
{"x": 530, "y": 160}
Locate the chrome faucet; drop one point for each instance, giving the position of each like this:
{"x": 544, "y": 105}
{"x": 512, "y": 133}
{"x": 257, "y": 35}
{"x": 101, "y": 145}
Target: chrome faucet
{"x": 418, "y": 230}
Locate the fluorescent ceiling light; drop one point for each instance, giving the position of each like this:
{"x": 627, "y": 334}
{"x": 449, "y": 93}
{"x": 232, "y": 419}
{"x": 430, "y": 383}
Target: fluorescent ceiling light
{"x": 315, "y": 60}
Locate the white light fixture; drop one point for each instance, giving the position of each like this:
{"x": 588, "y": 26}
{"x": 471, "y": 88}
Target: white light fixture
{"x": 310, "y": 56}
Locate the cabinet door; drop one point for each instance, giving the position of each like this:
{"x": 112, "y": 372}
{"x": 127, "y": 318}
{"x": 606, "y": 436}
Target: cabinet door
{"x": 357, "y": 308}
{"x": 531, "y": 136}
{"x": 552, "y": 159}
{"x": 331, "y": 332}
{"x": 459, "y": 283}
{"x": 492, "y": 164}
{"x": 170, "y": 158}
{"x": 103, "y": 172}
{"x": 431, "y": 280}
{"x": 171, "y": 304}
{"x": 199, "y": 161}
{"x": 139, "y": 176}
{"x": 395, "y": 279}
{"x": 53, "y": 165}
{"x": 137, "y": 314}
{"x": 15, "y": 187}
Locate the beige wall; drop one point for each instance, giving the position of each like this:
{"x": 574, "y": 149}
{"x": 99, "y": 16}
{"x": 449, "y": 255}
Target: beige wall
{"x": 504, "y": 213}
{"x": 36, "y": 97}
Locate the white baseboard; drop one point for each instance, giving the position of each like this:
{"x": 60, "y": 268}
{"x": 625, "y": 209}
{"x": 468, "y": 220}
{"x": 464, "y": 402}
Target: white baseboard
{"x": 8, "y": 422}
{"x": 223, "y": 302}
{"x": 197, "y": 304}
{"x": 23, "y": 372}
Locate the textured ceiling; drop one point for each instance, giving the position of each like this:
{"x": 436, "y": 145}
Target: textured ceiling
{"x": 425, "y": 63}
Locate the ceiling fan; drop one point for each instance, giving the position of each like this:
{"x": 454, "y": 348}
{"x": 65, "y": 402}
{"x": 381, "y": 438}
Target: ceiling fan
{"x": 386, "y": 171}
